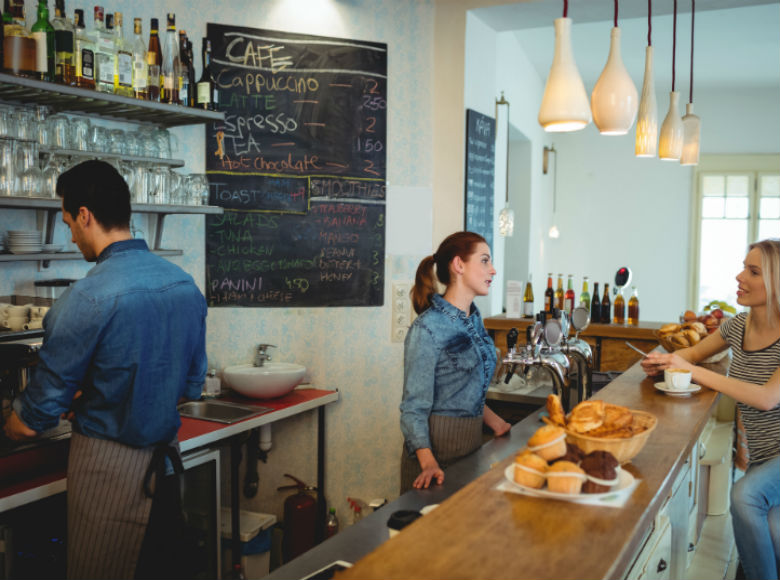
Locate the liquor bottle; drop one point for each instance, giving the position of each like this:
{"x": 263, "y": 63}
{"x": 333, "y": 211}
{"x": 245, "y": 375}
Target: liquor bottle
{"x": 18, "y": 43}
{"x": 104, "y": 54}
{"x": 619, "y": 308}
{"x": 595, "y": 304}
{"x": 208, "y": 99}
{"x": 528, "y": 299}
{"x": 585, "y": 295}
{"x": 85, "y": 53}
{"x": 568, "y": 298}
{"x": 64, "y": 37}
{"x": 193, "y": 86}
{"x": 140, "y": 68}
{"x": 633, "y": 307}
{"x": 123, "y": 69}
{"x": 183, "y": 74}
{"x": 606, "y": 306}
{"x": 549, "y": 295}
{"x": 2, "y": 30}
{"x": 154, "y": 62}
{"x": 43, "y": 33}
{"x": 559, "y": 293}
{"x": 169, "y": 92}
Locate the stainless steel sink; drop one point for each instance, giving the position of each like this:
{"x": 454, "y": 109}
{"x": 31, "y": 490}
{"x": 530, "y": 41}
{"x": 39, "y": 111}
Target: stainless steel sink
{"x": 220, "y": 411}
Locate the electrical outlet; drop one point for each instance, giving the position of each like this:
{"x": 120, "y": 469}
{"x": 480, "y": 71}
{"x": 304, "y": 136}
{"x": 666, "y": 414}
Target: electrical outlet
{"x": 402, "y": 311}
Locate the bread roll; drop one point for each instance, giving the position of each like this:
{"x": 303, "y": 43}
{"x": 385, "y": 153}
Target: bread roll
{"x": 668, "y": 329}
{"x": 555, "y": 410}
{"x": 679, "y": 340}
{"x": 586, "y": 416}
{"x": 692, "y": 336}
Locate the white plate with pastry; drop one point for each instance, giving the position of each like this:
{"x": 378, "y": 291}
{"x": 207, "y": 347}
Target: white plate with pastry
{"x": 624, "y": 485}
{"x": 686, "y": 392}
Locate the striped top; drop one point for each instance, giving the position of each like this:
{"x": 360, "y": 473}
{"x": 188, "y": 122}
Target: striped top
{"x": 762, "y": 428}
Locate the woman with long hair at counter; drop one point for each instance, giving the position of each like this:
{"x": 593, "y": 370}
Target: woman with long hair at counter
{"x": 754, "y": 382}
{"x": 449, "y": 361}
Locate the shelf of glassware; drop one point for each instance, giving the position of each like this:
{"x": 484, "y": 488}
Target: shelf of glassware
{"x": 67, "y": 99}
{"x": 106, "y": 156}
{"x": 49, "y": 256}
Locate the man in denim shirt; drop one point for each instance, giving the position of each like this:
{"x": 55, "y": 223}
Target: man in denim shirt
{"x": 121, "y": 348}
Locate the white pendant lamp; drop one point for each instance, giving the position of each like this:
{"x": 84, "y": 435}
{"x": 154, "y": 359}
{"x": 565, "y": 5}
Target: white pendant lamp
{"x": 506, "y": 218}
{"x": 672, "y": 132}
{"x": 647, "y": 122}
{"x": 691, "y": 123}
{"x": 614, "y": 99}
{"x": 565, "y": 103}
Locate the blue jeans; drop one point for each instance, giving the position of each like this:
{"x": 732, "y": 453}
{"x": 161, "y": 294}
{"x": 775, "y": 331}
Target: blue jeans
{"x": 755, "y": 515}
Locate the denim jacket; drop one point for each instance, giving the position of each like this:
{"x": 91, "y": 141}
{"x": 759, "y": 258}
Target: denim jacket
{"x": 449, "y": 361}
{"x": 131, "y": 336}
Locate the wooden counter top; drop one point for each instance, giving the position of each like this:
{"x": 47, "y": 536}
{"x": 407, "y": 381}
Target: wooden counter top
{"x": 480, "y": 532}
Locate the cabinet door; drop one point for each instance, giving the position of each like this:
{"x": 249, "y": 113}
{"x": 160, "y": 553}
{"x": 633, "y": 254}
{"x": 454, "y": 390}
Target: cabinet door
{"x": 617, "y": 356}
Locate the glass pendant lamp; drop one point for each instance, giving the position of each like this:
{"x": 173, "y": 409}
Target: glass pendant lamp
{"x": 565, "y": 104}
{"x": 614, "y": 100}
{"x": 506, "y": 218}
{"x": 647, "y": 122}
{"x": 691, "y": 123}
{"x": 672, "y": 132}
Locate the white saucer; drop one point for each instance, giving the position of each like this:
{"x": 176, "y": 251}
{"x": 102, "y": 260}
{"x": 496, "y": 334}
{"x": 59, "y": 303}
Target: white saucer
{"x": 677, "y": 392}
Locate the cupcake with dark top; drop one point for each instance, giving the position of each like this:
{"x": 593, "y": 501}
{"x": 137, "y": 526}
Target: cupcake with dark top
{"x": 573, "y": 453}
{"x": 601, "y": 470}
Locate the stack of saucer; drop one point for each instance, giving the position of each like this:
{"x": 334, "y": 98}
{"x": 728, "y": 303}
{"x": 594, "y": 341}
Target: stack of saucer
{"x": 24, "y": 241}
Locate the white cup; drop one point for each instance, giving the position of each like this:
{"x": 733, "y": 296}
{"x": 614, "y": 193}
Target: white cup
{"x": 15, "y": 322}
{"x": 677, "y": 379}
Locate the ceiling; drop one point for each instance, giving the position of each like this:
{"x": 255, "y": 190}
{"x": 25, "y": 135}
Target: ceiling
{"x": 737, "y": 42}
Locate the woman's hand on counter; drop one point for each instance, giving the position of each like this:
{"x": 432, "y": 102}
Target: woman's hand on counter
{"x": 16, "y": 429}
{"x": 496, "y": 423}
{"x": 655, "y": 363}
{"x": 430, "y": 469}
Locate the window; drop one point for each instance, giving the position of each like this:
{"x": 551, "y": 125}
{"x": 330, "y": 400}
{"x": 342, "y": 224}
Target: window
{"x": 737, "y": 202}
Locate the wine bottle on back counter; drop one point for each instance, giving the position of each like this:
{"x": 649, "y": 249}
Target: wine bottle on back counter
{"x": 633, "y": 307}
{"x": 154, "y": 60}
{"x": 585, "y": 295}
{"x": 595, "y": 304}
{"x": 619, "y": 308}
{"x": 528, "y": 299}
{"x": 549, "y": 295}
{"x": 559, "y": 293}
{"x": 606, "y": 306}
{"x": 568, "y": 298}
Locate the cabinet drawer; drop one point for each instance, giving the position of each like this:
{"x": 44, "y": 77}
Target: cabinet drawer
{"x": 653, "y": 561}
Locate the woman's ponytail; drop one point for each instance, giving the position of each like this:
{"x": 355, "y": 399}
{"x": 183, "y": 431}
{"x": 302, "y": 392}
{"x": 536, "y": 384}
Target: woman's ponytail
{"x": 424, "y": 285}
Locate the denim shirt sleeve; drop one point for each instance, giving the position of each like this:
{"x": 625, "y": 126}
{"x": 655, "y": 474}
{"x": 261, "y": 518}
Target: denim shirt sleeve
{"x": 72, "y": 330}
{"x": 199, "y": 365}
{"x": 420, "y": 355}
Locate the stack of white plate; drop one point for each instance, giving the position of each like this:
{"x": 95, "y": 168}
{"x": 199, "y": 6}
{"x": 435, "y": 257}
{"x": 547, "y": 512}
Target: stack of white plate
{"x": 24, "y": 241}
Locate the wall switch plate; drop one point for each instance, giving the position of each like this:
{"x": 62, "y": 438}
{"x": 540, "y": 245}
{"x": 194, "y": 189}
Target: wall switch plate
{"x": 402, "y": 311}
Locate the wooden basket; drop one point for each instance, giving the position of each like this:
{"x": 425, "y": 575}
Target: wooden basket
{"x": 625, "y": 449}
{"x": 666, "y": 343}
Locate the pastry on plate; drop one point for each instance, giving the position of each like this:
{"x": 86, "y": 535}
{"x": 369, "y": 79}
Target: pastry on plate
{"x": 530, "y": 470}
{"x": 565, "y": 477}
{"x": 549, "y": 442}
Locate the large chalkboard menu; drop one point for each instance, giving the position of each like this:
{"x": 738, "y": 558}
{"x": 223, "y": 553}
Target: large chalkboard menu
{"x": 480, "y": 173}
{"x": 299, "y": 166}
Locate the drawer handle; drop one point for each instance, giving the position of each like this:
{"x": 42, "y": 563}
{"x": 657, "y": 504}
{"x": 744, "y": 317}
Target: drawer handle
{"x": 662, "y": 565}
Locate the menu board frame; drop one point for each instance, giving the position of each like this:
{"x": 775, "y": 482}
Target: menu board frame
{"x": 480, "y": 174}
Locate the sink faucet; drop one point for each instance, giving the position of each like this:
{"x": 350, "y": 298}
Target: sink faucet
{"x": 261, "y": 355}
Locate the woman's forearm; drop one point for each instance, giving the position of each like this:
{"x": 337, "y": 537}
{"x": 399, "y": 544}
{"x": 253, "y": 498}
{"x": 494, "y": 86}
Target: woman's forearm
{"x": 763, "y": 397}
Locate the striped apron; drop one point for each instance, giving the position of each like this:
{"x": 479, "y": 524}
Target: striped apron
{"x": 111, "y": 487}
{"x": 451, "y": 439}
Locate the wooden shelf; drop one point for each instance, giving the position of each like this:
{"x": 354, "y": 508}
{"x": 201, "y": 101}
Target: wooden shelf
{"x": 47, "y": 203}
{"x": 46, "y": 256}
{"x": 64, "y": 98}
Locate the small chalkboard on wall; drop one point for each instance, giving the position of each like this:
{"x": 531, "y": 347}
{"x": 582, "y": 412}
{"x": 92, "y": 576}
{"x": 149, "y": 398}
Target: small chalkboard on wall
{"x": 299, "y": 166}
{"x": 480, "y": 173}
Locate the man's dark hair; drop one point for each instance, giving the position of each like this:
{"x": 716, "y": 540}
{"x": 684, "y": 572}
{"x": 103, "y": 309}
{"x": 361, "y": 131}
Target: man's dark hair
{"x": 100, "y": 188}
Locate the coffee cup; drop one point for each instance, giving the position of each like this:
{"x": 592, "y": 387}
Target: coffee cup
{"x": 677, "y": 379}
{"x": 15, "y": 322}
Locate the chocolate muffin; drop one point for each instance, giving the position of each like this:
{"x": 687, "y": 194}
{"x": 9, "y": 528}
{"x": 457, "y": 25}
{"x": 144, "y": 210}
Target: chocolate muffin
{"x": 600, "y": 465}
{"x": 573, "y": 453}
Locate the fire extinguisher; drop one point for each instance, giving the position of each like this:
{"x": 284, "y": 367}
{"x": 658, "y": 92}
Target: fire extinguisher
{"x": 300, "y": 520}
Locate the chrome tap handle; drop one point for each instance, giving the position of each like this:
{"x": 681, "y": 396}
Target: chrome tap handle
{"x": 511, "y": 339}
{"x": 261, "y": 355}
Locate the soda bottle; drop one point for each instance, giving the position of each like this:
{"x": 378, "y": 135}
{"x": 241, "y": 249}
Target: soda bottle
{"x": 559, "y": 293}
{"x": 549, "y": 295}
{"x": 595, "y": 304}
{"x": 568, "y": 298}
{"x": 605, "y": 305}
{"x": 619, "y": 308}
{"x": 633, "y": 307}
{"x": 331, "y": 524}
{"x": 585, "y": 295}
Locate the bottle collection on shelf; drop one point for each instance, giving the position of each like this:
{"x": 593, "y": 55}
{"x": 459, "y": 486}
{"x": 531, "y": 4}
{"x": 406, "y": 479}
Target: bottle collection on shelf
{"x": 600, "y": 307}
{"x": 103, "y": 58}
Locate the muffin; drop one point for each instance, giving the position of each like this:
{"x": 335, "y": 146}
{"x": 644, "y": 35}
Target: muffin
{"x": 601, "y": 470}
{"x": 530, "y": 470}
{"x": 573, "y": 453}
{"x": 565, "y": 477}
{"x": 549, "y": 442}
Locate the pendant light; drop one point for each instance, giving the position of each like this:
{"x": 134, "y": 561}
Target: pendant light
{"x": 647, "y": 122}
{"x": 506, "y": 219}
{"x": 565, "y": 102}
{"x": 672, "y": 133}
{"x": 554, "y": 233}
{"x": 691, "y": 123}
{"x": 614, "y": 99}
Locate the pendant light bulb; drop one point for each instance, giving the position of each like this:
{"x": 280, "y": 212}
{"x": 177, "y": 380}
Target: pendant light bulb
{"x": 614, "y": 100}
{"x": 647, "y": 121}
{"x": 672, "y": 132}
{"x": 554, "y": 233}
{"x": 692, "y": 135}
{"x": 565, "y": 102}
{"x": 506, "y": 222}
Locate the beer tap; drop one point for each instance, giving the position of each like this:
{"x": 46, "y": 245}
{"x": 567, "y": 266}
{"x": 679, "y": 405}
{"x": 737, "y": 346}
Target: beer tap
{"x": 579, "y": 351}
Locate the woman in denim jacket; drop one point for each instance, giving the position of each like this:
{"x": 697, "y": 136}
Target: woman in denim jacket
{"x": 449, "y": 361}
